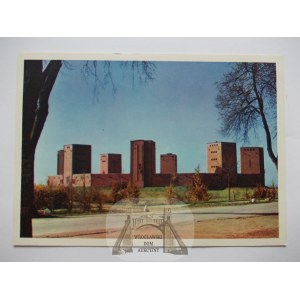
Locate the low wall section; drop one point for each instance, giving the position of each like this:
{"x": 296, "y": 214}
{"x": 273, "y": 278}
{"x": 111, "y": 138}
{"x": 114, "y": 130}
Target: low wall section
{"x": 212, "y": 181}
{"x": 250, "y": 180}
{"x": 106, "y": 180}
{"x": 57, "y": 180}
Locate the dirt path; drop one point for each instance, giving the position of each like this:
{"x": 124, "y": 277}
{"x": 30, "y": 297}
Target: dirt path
{"x": 237, "y": 222}
{"x": 235, "y": 228}
{"x": 229, "y": 228}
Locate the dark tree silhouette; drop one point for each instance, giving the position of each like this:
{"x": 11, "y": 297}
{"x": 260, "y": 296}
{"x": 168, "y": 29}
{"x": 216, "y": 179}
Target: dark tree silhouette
{"x": 39, "y": 79}
{"x": 247, "y": 99}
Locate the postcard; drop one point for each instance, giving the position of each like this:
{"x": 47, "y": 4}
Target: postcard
{"x": 150, "y": 153}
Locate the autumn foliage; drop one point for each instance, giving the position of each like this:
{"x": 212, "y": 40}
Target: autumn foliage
{"x": 68, "y": 198}
{"x": 198, "y": 191}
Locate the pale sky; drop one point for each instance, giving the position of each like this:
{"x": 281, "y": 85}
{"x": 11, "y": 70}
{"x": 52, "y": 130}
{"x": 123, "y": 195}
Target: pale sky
{"x": 176, "y": 110}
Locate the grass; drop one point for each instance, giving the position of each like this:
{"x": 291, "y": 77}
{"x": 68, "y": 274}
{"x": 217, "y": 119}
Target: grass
{"x": 160, "y": 192}
{"x": 238, "y": 196}
{"x": 156, "y": 196}
{"x": 235, "y": 194}
{"x": 217, "y": 195}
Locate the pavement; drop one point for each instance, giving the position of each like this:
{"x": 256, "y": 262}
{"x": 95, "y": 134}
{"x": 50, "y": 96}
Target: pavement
{"x": 100, "y": 223}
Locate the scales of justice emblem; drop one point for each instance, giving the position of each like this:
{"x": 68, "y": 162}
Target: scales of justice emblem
{"x": 142, "y": 222}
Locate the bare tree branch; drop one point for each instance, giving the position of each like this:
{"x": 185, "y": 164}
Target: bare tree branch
{"x": 247, "y": 99}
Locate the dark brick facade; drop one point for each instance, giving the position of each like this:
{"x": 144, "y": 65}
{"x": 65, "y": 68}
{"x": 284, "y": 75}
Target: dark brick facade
{"x": 222, "y": 167}
{"x": 160, "y": 180}
{"x": 250, "y": 180}
{"x": 168, "y": 163}
{"x": 106, "y": 180}
{"x": 252, "y": 160}
{"x": 142, "y": 162}
{"x": 82, "y": 159}
{"x": 212, "y": 181}
{"x": 110, "y": 163}
{"x": 60, "y": 162}
{"x": 77, "y": 160}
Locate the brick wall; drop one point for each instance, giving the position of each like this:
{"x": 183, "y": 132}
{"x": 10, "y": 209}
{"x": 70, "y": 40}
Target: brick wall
{"x": 81, "y": 180}
{"x": 250, "y": 180}
{"x": 160, "y": 180}
{"x": 57, "y": 180}
{"x": 99, "y": 180}
{"x": 212, "y": 181}
{"x": 106, "y": 180}
{"x": 168, "y": 163}
{"x": 110, "y": 163}
{"x": 252, "y": 160}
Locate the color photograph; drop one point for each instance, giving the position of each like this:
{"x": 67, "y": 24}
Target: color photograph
{"x": 150, "y": 153}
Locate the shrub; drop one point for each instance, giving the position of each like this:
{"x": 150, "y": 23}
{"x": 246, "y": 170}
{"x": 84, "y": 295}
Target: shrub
{"x": 41, "y": 197}
{"x": 69, "y": 191}
{"x": 119, "y": 191}
{"x": 45, "y": 197}
{"x": 272, "y": 193}
{"x": 171, "y": 194}
{"x": 88, "y": 198}
{"x": 60, "y": 198}
{"x": 85, "y": 200}
{"x": 248, "y": 195}
{"x": 96, "y": 197}
{"x": 67, "y": 198}
{"x": 265, "y": 192}
{"x": 132, "y": 192}
{"x": 198, "y": 191}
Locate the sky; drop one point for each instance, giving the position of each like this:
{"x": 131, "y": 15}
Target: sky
{"x": 176, "y": 110}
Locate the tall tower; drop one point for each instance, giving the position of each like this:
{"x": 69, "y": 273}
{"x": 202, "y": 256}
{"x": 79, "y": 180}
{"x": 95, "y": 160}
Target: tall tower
{"x": 142, "y": 162}
{"x": 221, "y": 158}
{"x": 110, "y": 163}
{"x": 77, "y": 160}
{"x": 60, "y": 162}
{"x": 252, "y": 160}
{"x": 168, "y": 163}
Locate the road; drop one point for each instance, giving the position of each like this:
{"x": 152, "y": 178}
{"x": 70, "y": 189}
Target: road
{"x": 65, "y": 226}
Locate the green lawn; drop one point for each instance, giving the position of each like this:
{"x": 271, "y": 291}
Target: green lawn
{"x": 235, "y": 194}
{"x": 216, "y": 195}
{"x": 158, "y": 192}
{"x": 156, "y": 196}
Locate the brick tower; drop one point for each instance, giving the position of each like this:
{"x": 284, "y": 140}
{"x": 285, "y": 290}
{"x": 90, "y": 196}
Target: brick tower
{"x": 110, "y": 163}
{"x": 252, "y": 160}
{"x": 168, "y": 163}
{"x": 142, "y": 162}
{"x": 60, "y": 162}
{"x": 221, "y": 158}
{"x": 77, "y": 160}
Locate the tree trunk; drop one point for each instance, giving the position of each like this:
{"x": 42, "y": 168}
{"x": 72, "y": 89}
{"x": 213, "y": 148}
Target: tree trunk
{"x": 27, "y": 191}
{"x": 263, "y": 118}
{"x": 37, "y": 87}
{"x": 269, "y": 140}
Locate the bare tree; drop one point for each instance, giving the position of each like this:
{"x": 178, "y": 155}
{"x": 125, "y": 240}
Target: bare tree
{"x": 39, "y": 79}
{"x": 247, "y": 99}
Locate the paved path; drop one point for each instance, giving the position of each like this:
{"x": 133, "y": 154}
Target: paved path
{"x": 100, "y": 222}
